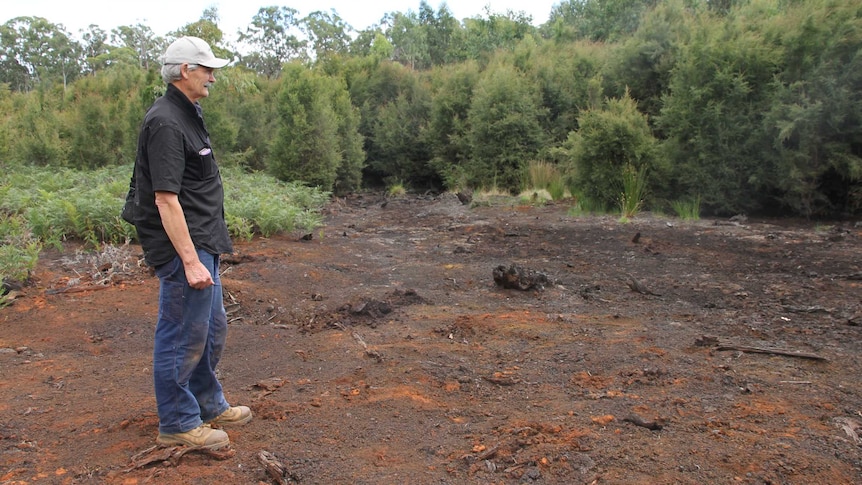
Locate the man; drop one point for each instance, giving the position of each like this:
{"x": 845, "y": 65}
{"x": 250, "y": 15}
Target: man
{"x": 179, "y": 217}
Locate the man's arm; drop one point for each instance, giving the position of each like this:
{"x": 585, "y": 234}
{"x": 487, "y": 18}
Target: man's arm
{"x": 174, "y": 222}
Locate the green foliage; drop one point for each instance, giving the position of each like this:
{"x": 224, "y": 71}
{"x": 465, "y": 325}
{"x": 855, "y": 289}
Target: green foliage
{"x": 19, "y": 249}
{"x": 397, "y": 137}
{"x": 485, "y": 35}
{"x": 257, "y": 203}
{"x": 610, "y": 142}
{"x": 756, "y": 103}
{"x": 713, "y": 116}
{"x": 105, "y": 103}
{"x": 394, "y": 106}
{"x": 583, "y": 205}
{"x": 40, "y": 206}
{"x": 569, "y": 80}
{"x": 70, "y": 204}
{"x": 596, "y": 20}
{"x": 306, "y": 148}
{"x": 447, "y": 130}
{"x": 816, "y": 108}
{"x": 642, "y": 63}
{"x": 36, "y": 132}
{"x": 504, "y": 128}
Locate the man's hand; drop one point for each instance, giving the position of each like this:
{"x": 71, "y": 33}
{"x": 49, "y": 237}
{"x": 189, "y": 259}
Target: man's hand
{"x": 198, "y": 275}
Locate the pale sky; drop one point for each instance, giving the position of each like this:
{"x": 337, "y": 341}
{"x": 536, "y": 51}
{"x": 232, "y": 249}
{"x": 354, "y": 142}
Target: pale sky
{"x": 163, "y": 16}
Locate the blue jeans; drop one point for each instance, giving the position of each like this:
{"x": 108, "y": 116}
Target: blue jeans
{"x": 190, "y": 337}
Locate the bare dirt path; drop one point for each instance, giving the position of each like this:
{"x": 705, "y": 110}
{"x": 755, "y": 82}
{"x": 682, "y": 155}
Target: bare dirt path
{"x": 380, "y": 349}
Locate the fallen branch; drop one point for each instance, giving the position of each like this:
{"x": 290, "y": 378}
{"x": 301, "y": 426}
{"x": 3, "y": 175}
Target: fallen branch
{"x": 761, "y": 350}
{"x": 656, "y": 425}
{"x": 171, "y": 455}
{"x": 275, "y": 469}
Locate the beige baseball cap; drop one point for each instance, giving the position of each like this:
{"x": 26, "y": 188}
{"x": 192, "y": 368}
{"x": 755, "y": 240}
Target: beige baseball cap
{"x": 192, "y": 50}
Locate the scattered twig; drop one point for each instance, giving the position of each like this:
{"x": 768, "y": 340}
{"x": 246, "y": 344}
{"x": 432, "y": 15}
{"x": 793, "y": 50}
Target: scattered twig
{"x": 369, "y": 352}
{"x": 761, "y": 350}
{"x": 639, "y": 287}
{"x": 656, "y": 425}
{"x": 488, "y": 453}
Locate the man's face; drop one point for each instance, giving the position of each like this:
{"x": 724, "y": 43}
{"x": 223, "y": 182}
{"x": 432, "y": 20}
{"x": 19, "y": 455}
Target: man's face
{"x": 198, "y": 82}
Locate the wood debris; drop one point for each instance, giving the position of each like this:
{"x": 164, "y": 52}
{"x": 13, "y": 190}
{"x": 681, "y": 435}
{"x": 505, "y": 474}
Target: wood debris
{"x": 276, "y": 470}
{"x": 763, "y": 350}
{"x": 170, "y": 456}
{"x": 655, "y": 425}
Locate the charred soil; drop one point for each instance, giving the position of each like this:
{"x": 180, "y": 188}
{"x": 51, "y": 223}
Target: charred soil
{"x": 422, "y": 341}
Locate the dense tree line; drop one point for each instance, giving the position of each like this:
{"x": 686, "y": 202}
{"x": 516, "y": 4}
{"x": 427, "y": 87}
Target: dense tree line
{"x": 751, "y": 106}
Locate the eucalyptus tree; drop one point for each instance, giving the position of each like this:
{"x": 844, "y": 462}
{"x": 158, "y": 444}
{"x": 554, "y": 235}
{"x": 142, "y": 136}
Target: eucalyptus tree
{"x": 484, "y": 35}
{"x": 142, "y": 41}
{"x": 327, "y": 34}
{"x": 596, "y": 20}
{"x": 207, "y": 29}
{"x": 34, "y": 50}
{"x": 442, "y": 32}
{"x": 96, "y": 48}
{"x": 272, "y": 39}
{"x": 409, "y": 38}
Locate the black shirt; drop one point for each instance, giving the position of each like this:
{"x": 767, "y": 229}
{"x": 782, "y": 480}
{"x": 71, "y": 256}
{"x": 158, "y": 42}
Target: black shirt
{"x": 174, "y": 155}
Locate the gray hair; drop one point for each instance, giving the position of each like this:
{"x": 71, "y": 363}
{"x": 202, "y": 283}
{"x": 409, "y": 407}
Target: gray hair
{"x": 173, "y": 72}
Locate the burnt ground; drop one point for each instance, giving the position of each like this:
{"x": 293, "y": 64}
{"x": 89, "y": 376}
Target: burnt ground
{"x": 381, "y": 349}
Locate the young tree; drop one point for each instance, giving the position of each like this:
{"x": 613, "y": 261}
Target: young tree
{"x": 713, "y": 116}
{"x": 448, "y": 128}
{"x": 609, "y": 141}
{"x": 815, "y": 114}
{"x": 505, "y": 133}
{"x": 312, "y": 139}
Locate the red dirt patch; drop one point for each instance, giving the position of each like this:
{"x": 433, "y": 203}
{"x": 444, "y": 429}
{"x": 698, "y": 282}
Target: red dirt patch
{"x": 382, "y": 351}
